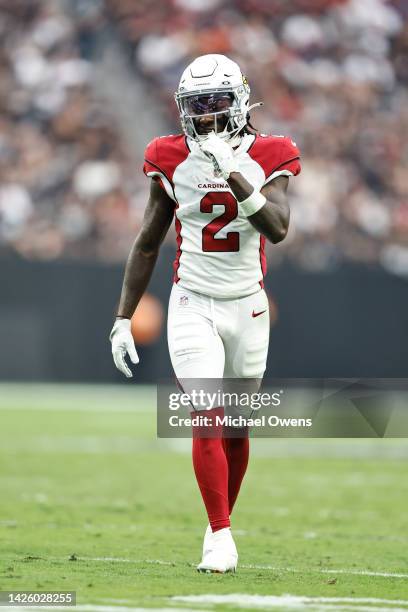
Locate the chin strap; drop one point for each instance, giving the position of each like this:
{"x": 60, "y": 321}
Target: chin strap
{"x": 248, "y": 118}
{"x": 255, "y": 105}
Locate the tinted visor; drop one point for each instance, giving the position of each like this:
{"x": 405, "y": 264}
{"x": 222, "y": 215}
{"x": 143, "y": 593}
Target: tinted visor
{"x": 205, "y": 104}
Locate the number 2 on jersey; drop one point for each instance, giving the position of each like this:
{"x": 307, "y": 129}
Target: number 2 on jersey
{"x": 210, "y": 241}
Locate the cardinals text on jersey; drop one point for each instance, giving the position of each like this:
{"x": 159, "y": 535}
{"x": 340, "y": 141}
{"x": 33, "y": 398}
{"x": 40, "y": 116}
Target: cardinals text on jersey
{"x": 219, "y": 252}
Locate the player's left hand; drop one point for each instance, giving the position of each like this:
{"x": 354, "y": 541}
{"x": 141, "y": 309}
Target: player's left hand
{"x": 221, "y": 153}
{"x": 122, "y": 344}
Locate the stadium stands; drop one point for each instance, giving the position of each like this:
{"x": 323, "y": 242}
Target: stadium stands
{"x": 332, "y": 74}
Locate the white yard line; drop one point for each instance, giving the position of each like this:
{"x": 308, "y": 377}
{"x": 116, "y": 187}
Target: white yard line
{"x": 122, "y": 560}
{"x": 98, "y": 608}
{"x": 293, "y": 602}
{"x": 129, "y": 601}
{"x": 327, "y": 571}
{"x": 364, "y": 573}
{"x": 240, "y": 600}
{"x": 351, "y": 572}
{"x": 243, "y": 600}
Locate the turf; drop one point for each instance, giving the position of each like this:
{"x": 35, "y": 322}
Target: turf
{"x": 91, "y": 501}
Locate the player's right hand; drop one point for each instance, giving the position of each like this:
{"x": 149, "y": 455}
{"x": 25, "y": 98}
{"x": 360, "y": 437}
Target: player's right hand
{"x": 221, "y": 154}
{"x": 122, "y": 344}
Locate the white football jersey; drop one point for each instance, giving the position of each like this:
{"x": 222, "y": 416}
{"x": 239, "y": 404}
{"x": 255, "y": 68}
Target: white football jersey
{"x": 219, "y": 252}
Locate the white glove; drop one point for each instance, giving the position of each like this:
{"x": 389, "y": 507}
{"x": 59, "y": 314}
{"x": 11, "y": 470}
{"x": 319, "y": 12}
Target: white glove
{"x": 122, "y": 343}
{"x": 221, "y": 154}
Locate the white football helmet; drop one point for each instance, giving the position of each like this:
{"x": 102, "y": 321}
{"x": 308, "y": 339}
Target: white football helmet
{"x": 213, "y": 85}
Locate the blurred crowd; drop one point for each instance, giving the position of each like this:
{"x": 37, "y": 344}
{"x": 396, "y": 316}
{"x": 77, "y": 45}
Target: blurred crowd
{"x": 333, "y": 75}
{"x": 66, "y": 186}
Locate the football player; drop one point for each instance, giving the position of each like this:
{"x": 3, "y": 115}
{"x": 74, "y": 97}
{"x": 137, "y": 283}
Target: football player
{"x": 225, "y": 185}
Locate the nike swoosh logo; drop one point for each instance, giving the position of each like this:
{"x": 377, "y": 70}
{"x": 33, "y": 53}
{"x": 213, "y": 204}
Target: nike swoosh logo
{"x": 256, "y": 314}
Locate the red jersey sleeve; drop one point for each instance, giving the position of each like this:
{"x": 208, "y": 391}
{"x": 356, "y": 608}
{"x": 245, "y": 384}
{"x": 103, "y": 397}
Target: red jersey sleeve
{"x": 151, "y": 158}
{"x": 289, "y": 159}
{"x": 162, "y": 157}
{"x": 277, "y": 155}
{"x": 152, "y": 168}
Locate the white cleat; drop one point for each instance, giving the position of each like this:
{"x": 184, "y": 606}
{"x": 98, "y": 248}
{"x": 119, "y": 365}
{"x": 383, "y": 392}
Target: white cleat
{"x": 219, "y": 552}
{"x": 207, "y": 544}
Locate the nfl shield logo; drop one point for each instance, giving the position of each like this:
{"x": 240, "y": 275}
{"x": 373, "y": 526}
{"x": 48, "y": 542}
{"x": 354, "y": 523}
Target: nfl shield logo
{"x": 183, "y": 300}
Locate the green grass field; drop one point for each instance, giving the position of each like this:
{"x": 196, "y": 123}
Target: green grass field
{"x": 91, "y": 501}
